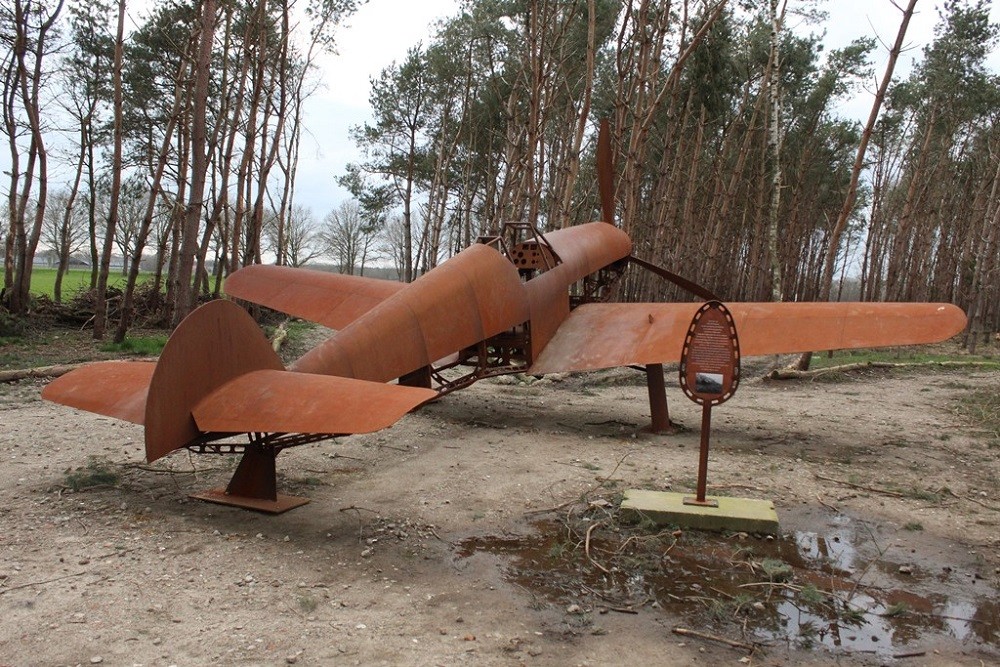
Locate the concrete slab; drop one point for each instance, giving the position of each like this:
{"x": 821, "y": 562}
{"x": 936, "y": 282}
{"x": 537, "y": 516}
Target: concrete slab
{"x": 744, "y": 515}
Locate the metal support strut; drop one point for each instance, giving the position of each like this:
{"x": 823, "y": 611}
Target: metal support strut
{"x": 254, "y": 485}
{"x": 658, "y": 400}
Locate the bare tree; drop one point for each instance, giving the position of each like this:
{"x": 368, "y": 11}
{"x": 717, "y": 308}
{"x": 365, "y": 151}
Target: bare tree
{"x": 27, "y": 40}
{"x": 296, "y": 241}
{"x": 65, "y": 232}
{"x": 131, "y": 207}
{"x": 199, "y": 165}
{"x": 350, "y": 239}
{"x": 100, "y": 303}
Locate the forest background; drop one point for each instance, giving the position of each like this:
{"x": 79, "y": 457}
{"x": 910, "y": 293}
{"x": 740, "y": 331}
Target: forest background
{"x": 733, "y": 161}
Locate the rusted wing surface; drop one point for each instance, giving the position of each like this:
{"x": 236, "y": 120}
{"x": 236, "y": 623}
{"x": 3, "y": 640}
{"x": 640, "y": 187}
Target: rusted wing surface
{"x": 777, "y": 328}
{"x": 474, "y": 295}
{"x": 331, "y": 299}
{"x": 606, "y": 335}
{"x": 269, "y": 401}
{"x": 213, "y": 345}
{"x": 112, "y": 388}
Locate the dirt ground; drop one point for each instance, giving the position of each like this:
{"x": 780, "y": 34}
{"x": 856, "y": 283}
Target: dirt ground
{"x": 449, "y": 538}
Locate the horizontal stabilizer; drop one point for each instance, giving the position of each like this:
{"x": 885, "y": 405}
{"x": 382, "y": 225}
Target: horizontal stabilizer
{"x": 331, "y": 299}
{"x": 602, "y": 335}
{"x": 271, "y": 401}
{"x": 113, "y": 388}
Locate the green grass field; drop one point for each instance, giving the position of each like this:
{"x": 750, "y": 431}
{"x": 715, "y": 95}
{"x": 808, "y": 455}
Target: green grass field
{"x": 43, "y": 281}
{"x": 897, "y": 355}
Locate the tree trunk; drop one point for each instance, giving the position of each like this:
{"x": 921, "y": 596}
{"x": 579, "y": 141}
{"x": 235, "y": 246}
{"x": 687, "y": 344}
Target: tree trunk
{"x": 101, "y": 303}
{"x": 199, "y": 166}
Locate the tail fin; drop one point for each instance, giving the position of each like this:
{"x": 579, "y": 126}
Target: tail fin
{"x": 216, "y": 343}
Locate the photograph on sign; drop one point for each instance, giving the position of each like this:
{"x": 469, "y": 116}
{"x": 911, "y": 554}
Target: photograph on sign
{"x": 708, "y": 383}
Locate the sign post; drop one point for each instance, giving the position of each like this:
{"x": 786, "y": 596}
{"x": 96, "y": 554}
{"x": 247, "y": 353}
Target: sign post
{"x": 709, "y": 375}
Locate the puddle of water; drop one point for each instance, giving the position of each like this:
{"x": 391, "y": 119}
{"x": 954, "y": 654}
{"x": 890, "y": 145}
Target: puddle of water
{"x": 801, "y": 589}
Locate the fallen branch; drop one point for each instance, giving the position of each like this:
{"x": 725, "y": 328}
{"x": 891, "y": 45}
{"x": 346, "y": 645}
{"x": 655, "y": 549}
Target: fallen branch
{"x": 623, "y": 610}
{"x": 794, "y": 374}
{"x": 722, "y": 640}
{"x": 38, "y": 372}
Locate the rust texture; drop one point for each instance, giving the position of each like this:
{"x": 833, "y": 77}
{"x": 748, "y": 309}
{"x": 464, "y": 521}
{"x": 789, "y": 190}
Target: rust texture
{"x": 331, "y": 299}
{"x": 520, "y": 301}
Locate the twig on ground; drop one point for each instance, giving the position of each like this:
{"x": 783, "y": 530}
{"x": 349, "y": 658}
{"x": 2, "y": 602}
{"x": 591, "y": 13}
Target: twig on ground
{"x": 623, "y": 610}
{"x": 772, "y": 584}
{"x": 722, "y": 640}
{"x": 862, "y": 487}
{"x": 166, "y": 471}
{"x": 434, "y": 533}
{"x": 971, "y": 500}
{"x": 361, "y": 524}
{"x": 600, "y": 484}
{"x": 826, "y": 504}
{"x": 40, "y": 583}
{"x": 735, "y": 486}
{"x": 358, "y": 509}
{"x": 586, "y": 547}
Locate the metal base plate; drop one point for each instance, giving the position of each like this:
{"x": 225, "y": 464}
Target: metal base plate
{"x": 693, "y": 500}
{"x": 282, "y": 504}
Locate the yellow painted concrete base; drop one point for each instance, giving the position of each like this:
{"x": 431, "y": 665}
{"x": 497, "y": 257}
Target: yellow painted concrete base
{"x": 736, "y": 514}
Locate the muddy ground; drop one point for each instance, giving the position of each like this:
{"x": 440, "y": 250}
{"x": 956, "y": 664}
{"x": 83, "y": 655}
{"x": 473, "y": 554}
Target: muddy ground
{"x": 463, "y": 534}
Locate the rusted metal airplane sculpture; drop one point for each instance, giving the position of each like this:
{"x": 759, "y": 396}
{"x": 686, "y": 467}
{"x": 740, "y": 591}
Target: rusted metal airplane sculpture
{"x": 523, "y": 302}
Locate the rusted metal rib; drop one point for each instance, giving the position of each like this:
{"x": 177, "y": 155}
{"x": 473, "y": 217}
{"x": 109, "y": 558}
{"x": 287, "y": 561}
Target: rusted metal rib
{"x": 607, "y": 335}
{"x": 331, "y": 299}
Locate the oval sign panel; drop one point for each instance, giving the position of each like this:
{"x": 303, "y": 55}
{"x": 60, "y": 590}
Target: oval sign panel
{"x": 710, "y": 360}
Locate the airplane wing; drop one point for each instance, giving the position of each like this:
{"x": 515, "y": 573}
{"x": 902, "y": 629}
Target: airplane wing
{"x": 605, "y": 335}
{"x": 331, "y": 299}
{"x": 112, "y": 388}
{"x": 271, "y": 401}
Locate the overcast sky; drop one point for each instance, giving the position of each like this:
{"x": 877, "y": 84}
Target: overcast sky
{"x": 382, "y": 31}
